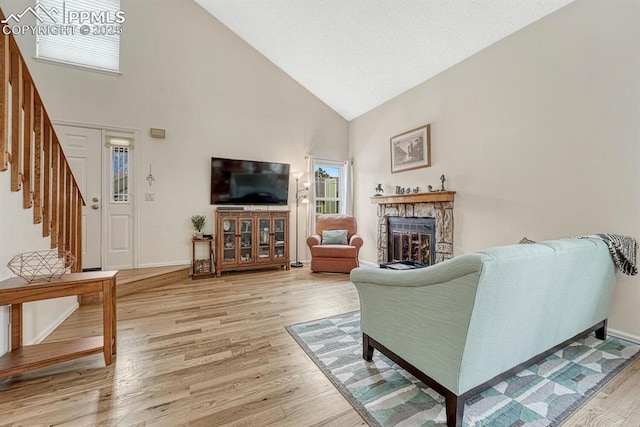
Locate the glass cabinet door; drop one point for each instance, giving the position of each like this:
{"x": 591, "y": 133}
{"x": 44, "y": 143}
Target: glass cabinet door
{"x": 229, "y": 241}
{"x": 279, "y": 238}
{"x": 264, "y": 245}
{"x": 246, "y": 240}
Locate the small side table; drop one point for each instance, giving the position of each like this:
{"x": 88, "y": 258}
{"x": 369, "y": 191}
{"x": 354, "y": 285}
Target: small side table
{"x": 202, "y": 268}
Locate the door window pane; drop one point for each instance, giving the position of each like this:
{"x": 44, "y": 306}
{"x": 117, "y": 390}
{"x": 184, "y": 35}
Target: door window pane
{"x": 119, "y": 174}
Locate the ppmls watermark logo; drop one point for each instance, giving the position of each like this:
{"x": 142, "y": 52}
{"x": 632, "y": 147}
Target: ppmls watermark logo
{"x": 64, "y": 22}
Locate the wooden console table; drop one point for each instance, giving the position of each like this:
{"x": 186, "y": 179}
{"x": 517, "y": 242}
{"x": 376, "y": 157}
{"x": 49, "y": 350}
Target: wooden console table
{"x": 16, "y": 291}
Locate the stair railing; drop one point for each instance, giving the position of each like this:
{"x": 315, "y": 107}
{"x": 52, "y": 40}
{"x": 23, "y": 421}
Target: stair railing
{"x": 31, "y": 150}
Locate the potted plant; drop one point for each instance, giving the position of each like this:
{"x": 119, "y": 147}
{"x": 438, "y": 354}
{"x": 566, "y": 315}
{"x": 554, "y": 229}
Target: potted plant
{"x": 198, "y": 224}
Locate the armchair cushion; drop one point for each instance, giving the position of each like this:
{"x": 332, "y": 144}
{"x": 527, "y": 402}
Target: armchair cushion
{"x": 334, "y": 237}
{"x": 334, "y": 251}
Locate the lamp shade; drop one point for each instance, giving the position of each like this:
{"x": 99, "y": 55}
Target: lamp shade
{"x": 297, "y": 175}
{"x": 304, "y": 201}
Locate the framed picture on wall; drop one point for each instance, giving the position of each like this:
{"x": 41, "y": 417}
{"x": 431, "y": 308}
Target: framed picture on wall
{"x": 411, "y": 150}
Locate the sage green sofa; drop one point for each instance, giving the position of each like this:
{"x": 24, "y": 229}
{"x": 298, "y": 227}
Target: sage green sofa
{"x": 467, "y": 323}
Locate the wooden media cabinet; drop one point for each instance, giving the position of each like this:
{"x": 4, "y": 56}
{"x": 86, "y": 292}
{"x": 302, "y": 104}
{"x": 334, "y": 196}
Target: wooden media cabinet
{"x": 251, "y": 239}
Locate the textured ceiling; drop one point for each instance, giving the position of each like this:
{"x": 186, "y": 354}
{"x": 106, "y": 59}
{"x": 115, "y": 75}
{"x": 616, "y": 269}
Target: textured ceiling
{"x": 357, "y": 54}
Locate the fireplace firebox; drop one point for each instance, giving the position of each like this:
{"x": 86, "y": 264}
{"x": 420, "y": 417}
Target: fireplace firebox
{"x": 412, "y": 239}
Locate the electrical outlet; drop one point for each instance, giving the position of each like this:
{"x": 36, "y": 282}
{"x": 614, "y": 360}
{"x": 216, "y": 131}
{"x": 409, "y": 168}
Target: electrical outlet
{"x": 149, "y": 197}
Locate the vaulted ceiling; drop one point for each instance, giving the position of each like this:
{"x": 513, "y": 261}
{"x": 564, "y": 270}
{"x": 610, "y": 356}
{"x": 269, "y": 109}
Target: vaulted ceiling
{"x": 357, "y": 54}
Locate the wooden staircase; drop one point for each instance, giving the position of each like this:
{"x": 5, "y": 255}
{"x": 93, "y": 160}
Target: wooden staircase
{"x": 30, "y": 149}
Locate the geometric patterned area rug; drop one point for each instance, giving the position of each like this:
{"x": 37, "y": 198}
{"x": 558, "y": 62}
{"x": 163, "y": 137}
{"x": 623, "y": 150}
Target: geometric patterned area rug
{"x": 386, "y": 395}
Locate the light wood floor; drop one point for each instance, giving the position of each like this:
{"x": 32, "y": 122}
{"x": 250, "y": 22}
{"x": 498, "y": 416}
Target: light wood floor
{"x": 214, "y": 352}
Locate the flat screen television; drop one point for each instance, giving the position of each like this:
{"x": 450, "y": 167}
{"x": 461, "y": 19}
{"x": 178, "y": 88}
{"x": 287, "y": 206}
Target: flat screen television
{"x": 248, "y": 182}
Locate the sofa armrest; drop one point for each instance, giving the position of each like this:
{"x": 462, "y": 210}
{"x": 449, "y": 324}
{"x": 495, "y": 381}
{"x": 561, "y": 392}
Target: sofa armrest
{"x": 314, "y": 240}
{"x": 437, "y": 273}
{"x": 356, "y": 241}
{"x": 422, "y": 315}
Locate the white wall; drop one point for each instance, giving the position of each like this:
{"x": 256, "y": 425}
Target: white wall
{"x": 184, "y": 71}
{"x": 538, "y": 134}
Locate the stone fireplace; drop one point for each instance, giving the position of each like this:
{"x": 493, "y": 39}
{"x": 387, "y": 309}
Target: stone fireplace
{"x": 436, "y": 205}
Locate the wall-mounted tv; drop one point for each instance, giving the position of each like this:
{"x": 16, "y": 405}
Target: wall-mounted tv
{"x": 248, "y": 182}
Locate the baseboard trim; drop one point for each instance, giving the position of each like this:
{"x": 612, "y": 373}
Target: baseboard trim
{"x": 45, "y": 333}
{"x": 624, "y": 335}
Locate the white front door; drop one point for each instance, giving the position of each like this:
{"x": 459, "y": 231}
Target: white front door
{"x": 119, "y": 200}
{"x": 83, "y": 149}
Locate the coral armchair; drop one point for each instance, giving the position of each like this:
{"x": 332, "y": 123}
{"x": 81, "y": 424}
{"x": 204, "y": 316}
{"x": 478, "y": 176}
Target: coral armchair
{"x": 338, "y": 251}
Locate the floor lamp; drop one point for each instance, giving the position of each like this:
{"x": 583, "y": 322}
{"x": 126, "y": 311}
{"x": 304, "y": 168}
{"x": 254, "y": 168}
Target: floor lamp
{"x": 301, "y": 198}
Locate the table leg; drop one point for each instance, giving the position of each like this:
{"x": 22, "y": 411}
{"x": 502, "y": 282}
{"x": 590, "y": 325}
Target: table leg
{"x": 114, "y": 315}
{"x": 107, "y": 320}
{"x": 16, "y": 326}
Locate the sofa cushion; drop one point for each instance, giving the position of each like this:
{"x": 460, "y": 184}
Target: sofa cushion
{"x": 334, "y": 251}
{"x": 334, "y": 237}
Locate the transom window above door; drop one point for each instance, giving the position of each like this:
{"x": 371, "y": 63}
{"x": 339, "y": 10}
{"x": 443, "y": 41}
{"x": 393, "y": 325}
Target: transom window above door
{"x": 80, "y": 33}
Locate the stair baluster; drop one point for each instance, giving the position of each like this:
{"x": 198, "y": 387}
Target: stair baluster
{"x": 31, "y": 150}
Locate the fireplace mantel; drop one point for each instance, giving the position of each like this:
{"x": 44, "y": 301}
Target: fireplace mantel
{"x": 435, "y": 196}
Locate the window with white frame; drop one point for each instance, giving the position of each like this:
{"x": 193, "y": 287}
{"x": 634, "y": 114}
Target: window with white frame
{"x": 119, "y": 154}
{"x": 328, "y": 176}
{"x": 84, "y": 33}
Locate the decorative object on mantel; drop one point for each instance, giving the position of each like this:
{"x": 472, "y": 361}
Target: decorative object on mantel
{"x": 41, "y": 265}
{"x": 198, "y": 224}
{"x": 411, "y": 150}
{"x": 379, "y": 190}
{"x": 403, "y": 190}
{"x": 442, "y": 180}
